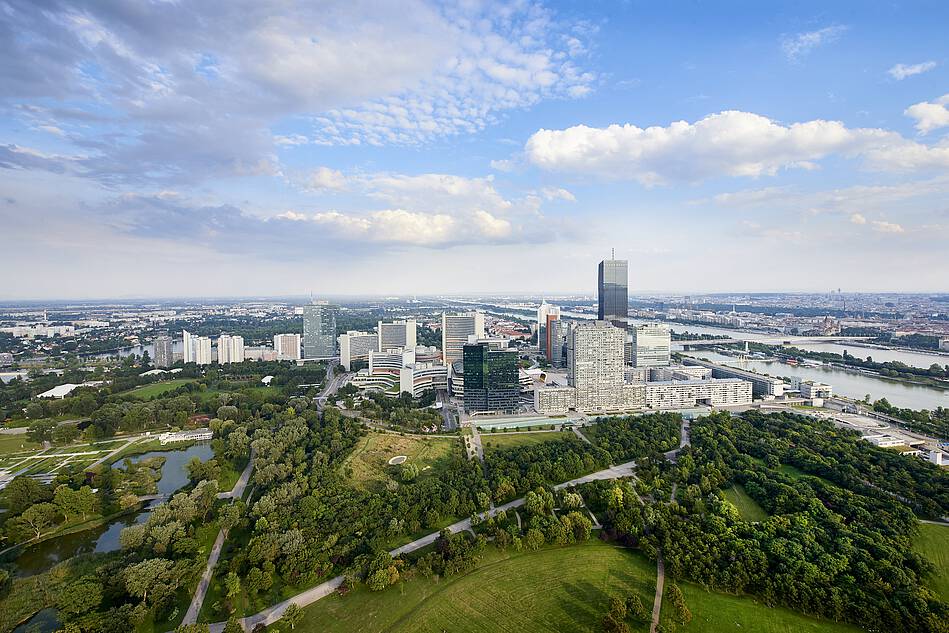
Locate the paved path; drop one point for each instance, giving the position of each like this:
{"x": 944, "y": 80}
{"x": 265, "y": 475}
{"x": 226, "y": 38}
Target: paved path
{"x": 272, "y": 614}
{"x": 202, "y": 589}
{"x": 657, "y": 603}
{"x": 476, "y": 446}
{"x": 576, "y": 431}
{"x": 237, "y": 492}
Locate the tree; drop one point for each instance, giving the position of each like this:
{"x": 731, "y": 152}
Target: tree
{"x": 80, "y": 597}
{"x": 65, "y": 499}
{"x": 292, "y": 615}
{"x": 23, "y": 492}
{"x": 151, "y": 576}
{"x": 635, "y": 608}
{"x": 232, "y": 583}
{"x": 193, "y": 628}
{"x": 41, "y": 431}
{"x": 38, "y": 518}
{"x": 233, "y": 626}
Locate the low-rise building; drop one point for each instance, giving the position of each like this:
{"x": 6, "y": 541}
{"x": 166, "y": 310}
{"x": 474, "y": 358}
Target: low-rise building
{"x": 196, "y": 435}
{"x": 688, "y": 394}
{"x": 811, "y": 389}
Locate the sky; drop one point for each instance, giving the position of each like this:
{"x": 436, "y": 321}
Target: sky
{"x": 270, "y": 147}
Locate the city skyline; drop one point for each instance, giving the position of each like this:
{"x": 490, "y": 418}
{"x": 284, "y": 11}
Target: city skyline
{"x": 303, "y": 153}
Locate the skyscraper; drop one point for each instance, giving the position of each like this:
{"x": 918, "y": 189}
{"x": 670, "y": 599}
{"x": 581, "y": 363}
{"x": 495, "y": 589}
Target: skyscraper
{"x": 556, "y": 340}
{"x": 612, "y": 292}
{"x": 595, "y": 365}
{"x": 491, "y": 378}
{"x": 402, "y": 333}
{"x": 651, "y": 344}
{"x": 319, "y": 330}
{"x": 553, "y": 319}
{"x": 287, "y": 346}
{"x": 164, "y": 352}
{"x": 456, "y": 328}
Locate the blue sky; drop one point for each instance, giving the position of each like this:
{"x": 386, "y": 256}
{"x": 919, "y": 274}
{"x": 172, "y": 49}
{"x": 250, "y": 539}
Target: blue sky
{"x": 246, "y": 148}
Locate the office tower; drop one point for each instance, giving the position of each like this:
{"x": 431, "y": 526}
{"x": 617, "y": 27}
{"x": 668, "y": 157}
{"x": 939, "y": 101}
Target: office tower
{"x": 201, "y": 350}
{"x": 287, "y": 346}
{"x": 456, "y": 328}
{"x": 402, "y": 333}
{"x": 230, "y": 349}
{"x": 595, "y": 365}
{"x": 542, "y": 313}
{"x": 547, "y": 345}
{"x": 491, "y": 379}
{"x": 556, "y": 339}
{"x": 319, "y": 330}
{"x": 164, "y": 352}
{"x": 612, "y": 292}
{"x": 355, "y": 346}
{"x": 651, "y": 344}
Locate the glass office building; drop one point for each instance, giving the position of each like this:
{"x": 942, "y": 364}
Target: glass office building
{"x": 491, "y": 379}
{"x": 612, "y": 291}
{"x": 319, "y": 330}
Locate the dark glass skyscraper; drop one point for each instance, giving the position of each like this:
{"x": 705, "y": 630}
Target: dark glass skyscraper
{"x": 612, "y": 291}
{"x": 491, "y": 381}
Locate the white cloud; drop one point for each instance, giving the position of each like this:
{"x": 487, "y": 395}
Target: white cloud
{"x": 799, "y": 45}
{"x": 323, "y": 178}
{"x": 902, "y": 71}
{"x": 930, "y": 116}
{"x": 857, "y": 218}
{"x": 503, "y": 165}
{"x": 731, "y": 143}
{"x": 886, "y": 227}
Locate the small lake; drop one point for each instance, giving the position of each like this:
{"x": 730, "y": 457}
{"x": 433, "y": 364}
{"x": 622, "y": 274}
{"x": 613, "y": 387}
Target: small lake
{"x": 174, "y": 474}
{"x": 105, "y": 538}
{"x": 43, "y": 621}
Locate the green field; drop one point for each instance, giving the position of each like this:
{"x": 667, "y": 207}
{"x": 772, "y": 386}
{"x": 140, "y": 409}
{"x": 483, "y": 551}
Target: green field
{"x": 497, "y": 441}
{"x": 748, "y": 508}
{"x": 556, "y": 589}
{"x": 933, "y": 543}
{"x": 369, "y": 463}
{"x": 16, "y": 444}
{"x": 717, "y": 612}
{"x": 157, "y": 388}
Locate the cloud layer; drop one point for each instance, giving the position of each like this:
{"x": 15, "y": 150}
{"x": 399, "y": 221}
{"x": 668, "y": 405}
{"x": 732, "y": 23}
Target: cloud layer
{"x": 730, "y": 143}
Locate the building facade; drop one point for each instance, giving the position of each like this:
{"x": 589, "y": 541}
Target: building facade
{"x": 651, "y": 345}
{"x": 164, "y": 352}
{"x": 319, "y": 330}
{"x": 230, "y": 349}
{"x": 456, "y": 328}
{"x": 612, "y": 290}
{"x": 491, "y": 381}
{"x": 762, "y": 386}
{"x": 197, "y": 349}
{"x": 686, "y": 394}
{"x": 356, "y": 346}
{"x": 287, "y": 346}
{"x": 595, "y": 365}
{"x": 402, "y": 333}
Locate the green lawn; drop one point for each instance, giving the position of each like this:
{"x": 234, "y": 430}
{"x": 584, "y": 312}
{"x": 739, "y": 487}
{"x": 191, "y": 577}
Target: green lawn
{"x": 16, "y": 444}
{"x": 369, "y": 462}
{"x": 717, "y": 612}
{"x": 497, "y": 441}
{"x": 555, "y": 589}
{"x": 933, "y": 543}
{"x": 748, "y": 508}
{"x": 157, "y": 388}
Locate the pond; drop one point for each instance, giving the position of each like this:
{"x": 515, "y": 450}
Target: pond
{"x": 43, "y": 621}
{"x": 105, "y": 538}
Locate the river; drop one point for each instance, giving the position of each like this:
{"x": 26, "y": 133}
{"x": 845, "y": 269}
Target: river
{"x": 105, "y": 538}
{"x": 844, "y": 381}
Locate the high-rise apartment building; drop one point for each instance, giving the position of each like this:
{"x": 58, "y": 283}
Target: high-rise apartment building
{"x": 164, "y": 352}
{"x": 544, "y": 311}
{"x": 546, "y": 344}
{"x": 197, "y": 349}
{"x": 456, "y": 328}
{"x": 612, "y": 292}
{"x": 230, "y": 349}
{"x": 595, "y": 365}
{"x": 402, "y": 333}
{"x": 491, "y": 379}
{"x": 319, "y": 330}
{"x": 287, "y": 346}
{"x": 651, "y": 345}
{"x": 355, "y": 346}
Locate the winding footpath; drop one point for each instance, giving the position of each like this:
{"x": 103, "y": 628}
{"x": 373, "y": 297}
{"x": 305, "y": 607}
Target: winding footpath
{"x": 273, "y": 614}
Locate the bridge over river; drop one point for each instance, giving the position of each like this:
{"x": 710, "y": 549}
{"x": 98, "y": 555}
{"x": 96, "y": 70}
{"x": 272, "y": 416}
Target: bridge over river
{"x": 775, "y": 340}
